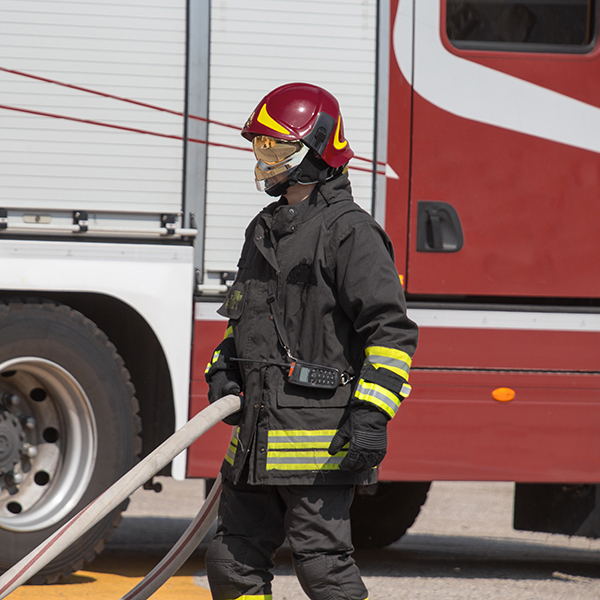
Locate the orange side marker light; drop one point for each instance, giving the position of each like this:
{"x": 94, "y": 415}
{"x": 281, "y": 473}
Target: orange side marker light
{"x": 503, "y": 394}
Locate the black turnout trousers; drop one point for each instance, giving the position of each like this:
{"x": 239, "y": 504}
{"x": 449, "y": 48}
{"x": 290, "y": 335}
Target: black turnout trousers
{"x": 253, "y": 523}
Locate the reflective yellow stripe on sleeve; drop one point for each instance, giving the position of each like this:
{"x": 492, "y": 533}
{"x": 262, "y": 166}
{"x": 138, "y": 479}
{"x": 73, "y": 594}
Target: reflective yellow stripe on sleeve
{"x": 213, "y": 360}
{"x": 388, "y": 358}
{"x": 381, "y": 397}
{"x": 228, "y": 333}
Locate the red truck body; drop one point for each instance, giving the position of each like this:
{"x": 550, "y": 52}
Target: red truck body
{"x": 490, "y": 148}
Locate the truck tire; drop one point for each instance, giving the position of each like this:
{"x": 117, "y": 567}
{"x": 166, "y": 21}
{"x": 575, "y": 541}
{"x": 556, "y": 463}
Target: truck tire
{"x": 68, "y": 429}
{"x": 382, "y": 517}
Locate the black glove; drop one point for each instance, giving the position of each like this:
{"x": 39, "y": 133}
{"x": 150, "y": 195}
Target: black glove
{"x": 366, "y": 430}
{"x": 221, "y": 384}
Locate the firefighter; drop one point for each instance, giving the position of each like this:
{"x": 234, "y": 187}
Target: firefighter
{"x": 319, "y": 344}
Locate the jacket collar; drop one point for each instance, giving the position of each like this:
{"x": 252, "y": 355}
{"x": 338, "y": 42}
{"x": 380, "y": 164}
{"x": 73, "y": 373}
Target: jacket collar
{"x": 337, "y": 189}
{"x": 279, "y": 219}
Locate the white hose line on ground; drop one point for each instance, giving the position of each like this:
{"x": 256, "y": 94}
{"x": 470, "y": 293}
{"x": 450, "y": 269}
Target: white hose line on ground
{"x": 114, "y": 495}
{"x": 181, "y": 551}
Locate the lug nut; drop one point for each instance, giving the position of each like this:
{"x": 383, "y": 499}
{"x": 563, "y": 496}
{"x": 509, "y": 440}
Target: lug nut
{"x": 10, "y": 399}
{"x": 13, "y": 478}
{"x": 27, "y": 422}
{"x": 30, "y": 450}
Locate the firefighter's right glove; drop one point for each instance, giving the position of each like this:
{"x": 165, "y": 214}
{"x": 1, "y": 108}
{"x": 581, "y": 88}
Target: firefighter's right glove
{"x": 366, "y": 430}
{"x": 221, "y": 384}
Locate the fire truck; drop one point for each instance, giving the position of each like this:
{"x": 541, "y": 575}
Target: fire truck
{"x": 125, "y": 190}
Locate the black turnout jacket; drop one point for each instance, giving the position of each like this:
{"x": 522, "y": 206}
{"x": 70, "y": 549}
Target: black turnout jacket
{"x": 330, "y": 268}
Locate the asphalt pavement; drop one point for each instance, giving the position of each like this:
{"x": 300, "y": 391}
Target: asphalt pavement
{"x": 462, "y": 546}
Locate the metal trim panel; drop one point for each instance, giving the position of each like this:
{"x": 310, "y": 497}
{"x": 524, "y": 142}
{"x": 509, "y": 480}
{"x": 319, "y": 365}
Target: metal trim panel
{"x": 497, "y": 319}
{"x": 382, "y": 124}
{"x": 198, "y": 60}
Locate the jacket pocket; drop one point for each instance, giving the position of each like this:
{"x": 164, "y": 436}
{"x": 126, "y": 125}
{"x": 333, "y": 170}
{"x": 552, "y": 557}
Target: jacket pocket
{"x": 233, "y": 307}
{"x": 290, "y": 395}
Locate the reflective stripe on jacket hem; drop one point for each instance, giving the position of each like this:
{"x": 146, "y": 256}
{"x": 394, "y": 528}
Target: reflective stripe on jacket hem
{"x": 302, "y": 450}
{"x": 230, "y": 454}
{"x": 298, "y": 438}
{"x": 303, "y": 461}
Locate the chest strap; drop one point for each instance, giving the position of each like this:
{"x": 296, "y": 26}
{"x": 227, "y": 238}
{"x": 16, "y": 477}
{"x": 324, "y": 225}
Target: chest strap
{"x": 277, "y": 319}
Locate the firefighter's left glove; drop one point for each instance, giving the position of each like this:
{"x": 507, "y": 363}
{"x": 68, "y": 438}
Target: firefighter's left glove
{"x": 366, "y": 430}
{"x": 221, "y": 384}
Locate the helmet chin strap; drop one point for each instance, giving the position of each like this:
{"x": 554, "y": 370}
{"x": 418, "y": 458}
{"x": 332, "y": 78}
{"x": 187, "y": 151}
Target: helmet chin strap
{"x": 280, "y": 188}
{"x": 311, "y": 170}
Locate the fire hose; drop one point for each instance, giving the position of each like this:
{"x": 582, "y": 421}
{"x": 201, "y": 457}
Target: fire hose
{"x": 122, "y": 489}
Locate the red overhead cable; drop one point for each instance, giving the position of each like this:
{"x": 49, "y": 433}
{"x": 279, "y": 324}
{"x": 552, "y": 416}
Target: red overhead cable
{"x": 113, "y": 97}
{"x": 144, "y": 105}
{"x": 120, "y": 127}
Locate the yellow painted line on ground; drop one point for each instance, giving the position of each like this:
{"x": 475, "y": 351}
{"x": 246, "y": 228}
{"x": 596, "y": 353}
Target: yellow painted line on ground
{"x": 109, "y": 578}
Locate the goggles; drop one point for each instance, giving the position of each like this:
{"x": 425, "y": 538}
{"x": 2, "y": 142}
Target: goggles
{"x": 275, "y": 159}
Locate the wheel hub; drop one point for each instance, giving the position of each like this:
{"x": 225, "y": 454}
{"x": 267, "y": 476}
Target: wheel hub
{"x": 48, "y": 443}
{"x": 12, "y": 442}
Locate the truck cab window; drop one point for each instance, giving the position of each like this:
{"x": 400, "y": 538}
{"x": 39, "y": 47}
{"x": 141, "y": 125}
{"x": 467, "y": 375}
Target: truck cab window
{"x": 529, "y": 25}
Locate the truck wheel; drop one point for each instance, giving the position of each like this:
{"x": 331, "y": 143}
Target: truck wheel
{"x": 382, "y": 517}
{"x": 68, "y": 429}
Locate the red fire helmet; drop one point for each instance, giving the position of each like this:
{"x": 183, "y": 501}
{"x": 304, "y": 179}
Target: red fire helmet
{"x": 302, "y": 112}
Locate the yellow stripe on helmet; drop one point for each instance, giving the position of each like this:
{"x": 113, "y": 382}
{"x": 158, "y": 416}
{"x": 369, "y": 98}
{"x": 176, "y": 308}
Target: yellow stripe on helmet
{"x": 264, "y": 118}
{"x": 337, "y": 143}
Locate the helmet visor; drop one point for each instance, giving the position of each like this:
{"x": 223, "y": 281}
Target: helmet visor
{"x": 276, "y": 159}
{"x": 273, "y": 151}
